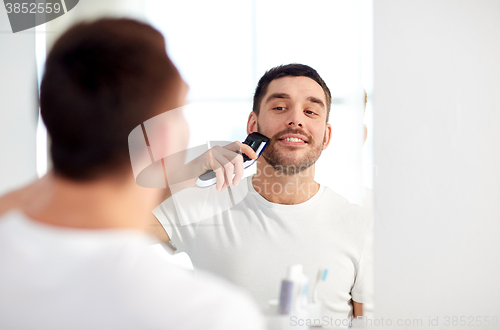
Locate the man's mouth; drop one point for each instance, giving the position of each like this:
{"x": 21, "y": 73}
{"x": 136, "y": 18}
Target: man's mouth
{"x": 293, "y": 140}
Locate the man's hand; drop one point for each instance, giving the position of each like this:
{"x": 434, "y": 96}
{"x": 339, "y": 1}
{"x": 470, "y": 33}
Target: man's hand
{"x": 226, "y": 162}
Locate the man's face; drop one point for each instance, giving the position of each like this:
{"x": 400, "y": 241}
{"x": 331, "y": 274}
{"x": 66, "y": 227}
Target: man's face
{"x": 293, "y": 114}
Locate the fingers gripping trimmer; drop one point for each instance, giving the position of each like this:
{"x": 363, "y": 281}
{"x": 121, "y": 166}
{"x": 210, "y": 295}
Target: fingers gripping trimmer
{"x": 256, "y": 141}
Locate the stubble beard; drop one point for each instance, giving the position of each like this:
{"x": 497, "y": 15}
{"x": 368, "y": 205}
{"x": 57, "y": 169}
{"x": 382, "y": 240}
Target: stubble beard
{"x": 290, "y": 165}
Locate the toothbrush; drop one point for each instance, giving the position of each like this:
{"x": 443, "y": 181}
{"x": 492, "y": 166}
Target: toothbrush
{"x": 322, "y": 273}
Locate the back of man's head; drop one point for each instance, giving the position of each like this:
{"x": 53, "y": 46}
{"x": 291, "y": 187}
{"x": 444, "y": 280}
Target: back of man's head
{"x": 288, "y": 70}
{"x": 101, "y": 80}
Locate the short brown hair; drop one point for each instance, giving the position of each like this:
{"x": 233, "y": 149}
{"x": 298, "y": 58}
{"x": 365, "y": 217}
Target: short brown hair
{"x": 295, "y": 70}
{"x": 101, "y": 80}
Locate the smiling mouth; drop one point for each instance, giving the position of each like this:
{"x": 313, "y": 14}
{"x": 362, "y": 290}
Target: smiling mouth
{"x": 293, "y": 140}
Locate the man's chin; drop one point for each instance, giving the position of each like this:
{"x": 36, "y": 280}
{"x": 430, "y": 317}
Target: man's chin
{"x": 289, "y": 157}
{"x": 289, "y": 166}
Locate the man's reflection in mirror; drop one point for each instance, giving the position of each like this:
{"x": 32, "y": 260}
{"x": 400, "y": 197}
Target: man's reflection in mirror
{"x": 285, "y": 217}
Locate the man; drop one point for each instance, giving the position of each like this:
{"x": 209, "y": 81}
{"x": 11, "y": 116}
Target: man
{"x": 284, "y": 217}
{"x": 73, "y": 246}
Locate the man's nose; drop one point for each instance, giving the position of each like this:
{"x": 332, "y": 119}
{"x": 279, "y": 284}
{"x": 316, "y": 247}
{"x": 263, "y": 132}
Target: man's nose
{"x": 295, "y": 118}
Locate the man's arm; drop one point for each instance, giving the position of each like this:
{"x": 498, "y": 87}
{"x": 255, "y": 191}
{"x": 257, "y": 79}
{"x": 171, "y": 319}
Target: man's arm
{"x": 157, "y": 230}
{"x": 357, "y": 309}
{"x": 226, "y": 162}
{"x": 364, "y": 278}
{"x": 167, "y": 194}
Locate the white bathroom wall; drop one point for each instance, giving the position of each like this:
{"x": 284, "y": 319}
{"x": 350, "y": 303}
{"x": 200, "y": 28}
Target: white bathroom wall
{"x": 91, "y": 10}
{"x": 18, "y": 105}
{"x": 437, "y": 153}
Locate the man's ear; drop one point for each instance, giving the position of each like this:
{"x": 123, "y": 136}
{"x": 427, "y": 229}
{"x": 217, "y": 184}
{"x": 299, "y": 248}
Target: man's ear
{"x": 252, "y": 123}
{"x": 366, "y": 133}
{"x": 328, "y": 136}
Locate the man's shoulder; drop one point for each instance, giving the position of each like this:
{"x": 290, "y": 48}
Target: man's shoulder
{"x": 141, "y": 288}
{"x": 332, "y": 195}
{"x": 24, "y": 196}
{"x": 9, "y": 202}
{"x": 216, "y": 303}
{"x": 343, "y": 207}
{"x": 335, "y": 199}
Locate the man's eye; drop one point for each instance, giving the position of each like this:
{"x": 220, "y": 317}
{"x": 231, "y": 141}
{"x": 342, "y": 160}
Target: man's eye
{"x": 309, "y": 112}
{"x": 279, "y": 108}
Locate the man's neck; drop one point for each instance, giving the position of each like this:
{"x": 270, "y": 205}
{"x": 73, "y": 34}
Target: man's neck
{"x": 88, "y": 205}
{"x": 280, "y": 188}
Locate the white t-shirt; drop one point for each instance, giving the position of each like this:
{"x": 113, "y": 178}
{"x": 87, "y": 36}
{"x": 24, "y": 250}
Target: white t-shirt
{"x": 61, "y": 278}
{"x": 253, "y": 243}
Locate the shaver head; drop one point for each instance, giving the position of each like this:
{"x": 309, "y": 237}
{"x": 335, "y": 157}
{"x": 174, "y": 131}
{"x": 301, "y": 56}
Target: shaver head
{"x": 258, "y": 143}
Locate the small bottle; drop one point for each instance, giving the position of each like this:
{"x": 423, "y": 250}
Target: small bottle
{"x": 289, "y": 289}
